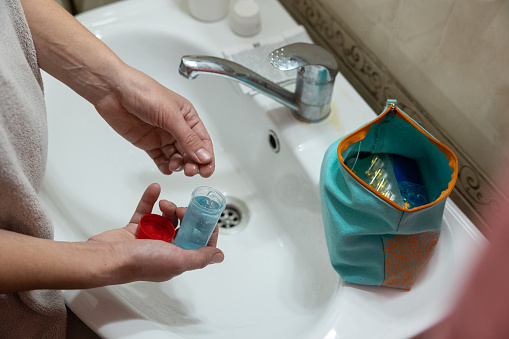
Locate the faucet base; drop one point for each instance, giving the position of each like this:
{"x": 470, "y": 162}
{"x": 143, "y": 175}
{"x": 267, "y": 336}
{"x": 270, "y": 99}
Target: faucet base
{"x": 311, "y": 114}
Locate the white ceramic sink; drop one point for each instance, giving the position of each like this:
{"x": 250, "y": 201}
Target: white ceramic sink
{"x": 276, "y": 280}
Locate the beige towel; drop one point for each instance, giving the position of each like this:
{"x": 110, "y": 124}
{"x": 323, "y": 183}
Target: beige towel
{"x": 23, "y": 152}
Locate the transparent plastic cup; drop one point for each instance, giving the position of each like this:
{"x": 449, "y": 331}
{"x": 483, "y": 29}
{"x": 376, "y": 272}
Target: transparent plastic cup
{"x": 201, "y": 217}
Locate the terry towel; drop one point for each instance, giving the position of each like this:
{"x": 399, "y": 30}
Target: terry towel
{"x": 23, "y": 152}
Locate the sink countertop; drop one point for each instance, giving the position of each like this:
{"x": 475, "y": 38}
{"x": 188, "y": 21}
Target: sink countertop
{"x": 388, "y": 312}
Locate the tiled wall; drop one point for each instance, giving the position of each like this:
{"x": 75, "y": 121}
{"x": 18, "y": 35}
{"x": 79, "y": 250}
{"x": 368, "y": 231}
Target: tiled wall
{"x": 66, "y": 4}
{"x": 85, "y": 5}
{"x": 446, "y": 61}
{"x": 78, "y": 6}
{"x": 452, "y": 55}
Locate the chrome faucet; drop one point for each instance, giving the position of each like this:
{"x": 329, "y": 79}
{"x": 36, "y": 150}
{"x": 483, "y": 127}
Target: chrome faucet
{"x": 316, "y": 73}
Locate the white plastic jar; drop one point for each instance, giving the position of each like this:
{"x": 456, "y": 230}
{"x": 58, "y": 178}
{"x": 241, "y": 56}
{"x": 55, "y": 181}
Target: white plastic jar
{"x": 245, "y": 18}
{"x": 209, "y": 10}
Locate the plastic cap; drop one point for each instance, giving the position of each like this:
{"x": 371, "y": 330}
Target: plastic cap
{"x": 154, "y": 226}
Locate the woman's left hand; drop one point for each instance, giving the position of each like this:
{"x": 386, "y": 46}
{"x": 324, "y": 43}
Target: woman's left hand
{"x": 160, "y": 122}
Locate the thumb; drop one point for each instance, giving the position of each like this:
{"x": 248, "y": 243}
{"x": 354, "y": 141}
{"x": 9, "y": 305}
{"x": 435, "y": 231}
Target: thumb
{"x": 202, "y": 257}
{"x": 190, "y": 132}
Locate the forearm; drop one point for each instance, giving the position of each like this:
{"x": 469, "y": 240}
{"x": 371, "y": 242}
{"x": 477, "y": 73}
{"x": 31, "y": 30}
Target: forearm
{"x": 69, "y": 52}
{"x": 28, "y": 263}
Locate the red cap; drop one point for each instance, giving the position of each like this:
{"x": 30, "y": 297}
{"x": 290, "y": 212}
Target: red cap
{"x": 154, "y": 226}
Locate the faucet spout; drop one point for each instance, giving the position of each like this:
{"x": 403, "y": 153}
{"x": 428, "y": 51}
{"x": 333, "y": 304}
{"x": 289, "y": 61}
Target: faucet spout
{"x": 317, "y": 69}
{"x": 193, "y": 65}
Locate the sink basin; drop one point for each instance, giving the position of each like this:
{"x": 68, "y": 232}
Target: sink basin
{"x": 276, "y": 280}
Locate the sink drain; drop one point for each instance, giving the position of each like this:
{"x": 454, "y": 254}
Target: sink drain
{"x": 230, "y": 217}
{"x": 234, "y": 217}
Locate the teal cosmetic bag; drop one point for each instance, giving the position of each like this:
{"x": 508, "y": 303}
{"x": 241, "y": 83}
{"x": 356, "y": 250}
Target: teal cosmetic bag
{"x": 383, "y": 190}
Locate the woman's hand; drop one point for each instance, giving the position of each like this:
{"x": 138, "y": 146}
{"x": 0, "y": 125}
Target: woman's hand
{"x": 160, "y": 122}
{"x": 154, "y": 260}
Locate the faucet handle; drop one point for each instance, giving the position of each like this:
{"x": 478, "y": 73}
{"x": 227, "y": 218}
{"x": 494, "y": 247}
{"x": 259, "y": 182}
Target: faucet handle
{"x": 315, "y": 77}
{"x": 297, "y": 55}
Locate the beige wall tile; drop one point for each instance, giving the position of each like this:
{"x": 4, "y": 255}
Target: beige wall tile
{"x": 65, "y": 4}
{"x": 85, "y": 5}
{"x": 451, "y": 55}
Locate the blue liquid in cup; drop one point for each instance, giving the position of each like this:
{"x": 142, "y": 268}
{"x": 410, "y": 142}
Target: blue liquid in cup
{"x": 200, "y": 219}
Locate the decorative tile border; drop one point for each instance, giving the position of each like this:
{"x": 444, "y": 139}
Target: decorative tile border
{"x": 474, "y": 192}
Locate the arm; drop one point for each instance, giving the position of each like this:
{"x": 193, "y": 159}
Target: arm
{"x": 32, "y": 263}
{"x": 112, "y": 257}
{"x": 144, "y": 112}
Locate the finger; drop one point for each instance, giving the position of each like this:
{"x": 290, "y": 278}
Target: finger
{"x": 181, "y": 211}
{"x": 201, "y": 257}
{"x": 190, "y": 169}
{"x": 208, "y": 169}
{"x": 169, "y": 211}
{"x": 147, "y": 201}
{"x": 191, "y": 134}
{"x": 176, "y": 163}
{"x": 180, "y": 159}
{"x": 213, "y": 238}
{"x": 133, "y": 228}
{"x": 169, "y": 150}
{"x": 164, "y": 167}
{"x": 160, "y": 160}
{"x": 174, "y": 157}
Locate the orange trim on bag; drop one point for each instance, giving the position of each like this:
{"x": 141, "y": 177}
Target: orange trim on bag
{"x": 361, "y": 133}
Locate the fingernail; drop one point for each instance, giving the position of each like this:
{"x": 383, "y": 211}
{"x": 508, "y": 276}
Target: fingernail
{"x": 177, "y": 167}
{"x": 217, "y": 258}
{"x": 203, "y": 155}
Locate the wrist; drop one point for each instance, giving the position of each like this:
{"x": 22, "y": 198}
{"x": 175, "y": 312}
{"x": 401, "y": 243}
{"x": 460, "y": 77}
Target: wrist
{"x": 103, "y": 79}
{"x": 35, "y": 263}
{"x": 110, "y": 266}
